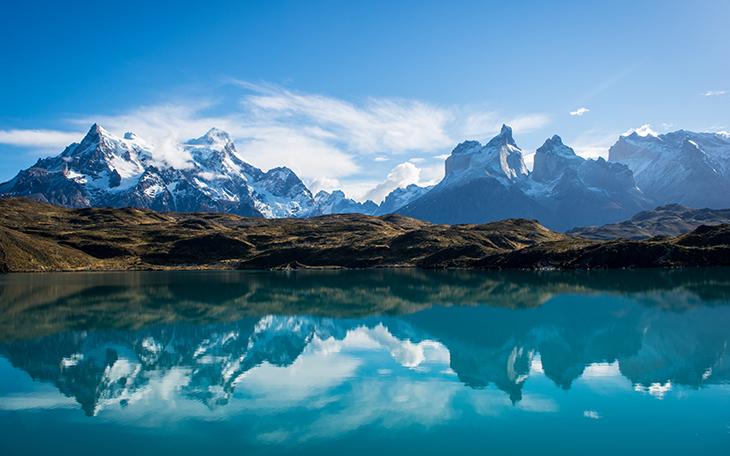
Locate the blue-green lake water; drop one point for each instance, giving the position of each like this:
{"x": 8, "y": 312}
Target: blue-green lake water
{"x": 365, "y": 362}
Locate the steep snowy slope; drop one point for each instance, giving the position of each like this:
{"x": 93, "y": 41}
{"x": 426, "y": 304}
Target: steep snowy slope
{"x": 104, "y": 170}
{"x": 681, "y": 167}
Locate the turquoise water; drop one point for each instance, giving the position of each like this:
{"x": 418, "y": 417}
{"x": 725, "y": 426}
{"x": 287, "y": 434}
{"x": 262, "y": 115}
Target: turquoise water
{"x": 364, "y": 362}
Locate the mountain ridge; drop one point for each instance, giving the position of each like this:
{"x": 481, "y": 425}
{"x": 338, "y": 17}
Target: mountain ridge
{"x": 482, "y": 183}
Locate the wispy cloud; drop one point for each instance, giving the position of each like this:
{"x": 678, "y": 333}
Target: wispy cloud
{"x": 326, "y": 140}
{"x": 44, "y": 139}
{"x": 528, "y": 123}
{"x": 714, "y": 93}
{"x": 377, "y": 124}
{"x": 484, "y": 124}
{"x": 579, "y": 112}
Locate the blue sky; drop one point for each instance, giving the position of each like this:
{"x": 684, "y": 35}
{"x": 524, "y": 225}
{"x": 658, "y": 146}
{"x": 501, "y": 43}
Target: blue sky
{"x": 347, "y": 93}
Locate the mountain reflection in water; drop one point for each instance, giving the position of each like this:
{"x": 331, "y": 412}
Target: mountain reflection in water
{"x": 357, "y": 348}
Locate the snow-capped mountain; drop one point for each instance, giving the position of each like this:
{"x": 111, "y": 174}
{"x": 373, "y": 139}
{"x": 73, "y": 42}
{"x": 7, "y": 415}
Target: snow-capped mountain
{"x": 682, "y": 167}
{"x": 400, "y": 197}
{"x": 482, "y": 183}
{"x": 500, "y": 159}
{"x": 491, "y": 182}
{"x": 104, "y": 170}
{"x": 337, "y": 203}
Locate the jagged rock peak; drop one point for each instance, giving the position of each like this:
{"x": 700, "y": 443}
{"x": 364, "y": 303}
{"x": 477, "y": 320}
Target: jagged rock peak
{"x": 95, "y": 132}
{"x": 504, "y": 137}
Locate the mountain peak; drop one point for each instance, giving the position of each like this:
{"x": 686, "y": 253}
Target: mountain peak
{"x": 555, "y": 145}
{"x": 503, "y": 138}
{"x": 95, "y": 132}
{"x": 212, "y": 137}
{"x": 555, "y": 140}
{"x": 217, "y": 133}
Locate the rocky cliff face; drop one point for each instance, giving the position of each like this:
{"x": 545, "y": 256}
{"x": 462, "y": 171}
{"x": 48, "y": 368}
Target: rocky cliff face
{"x": 491, "y": 182}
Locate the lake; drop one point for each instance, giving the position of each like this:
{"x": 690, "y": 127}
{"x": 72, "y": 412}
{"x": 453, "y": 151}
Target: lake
{"x": 363, "y": 362}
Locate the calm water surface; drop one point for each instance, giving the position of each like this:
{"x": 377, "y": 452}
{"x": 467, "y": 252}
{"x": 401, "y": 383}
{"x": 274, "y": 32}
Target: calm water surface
{"x": 406, "y": 362}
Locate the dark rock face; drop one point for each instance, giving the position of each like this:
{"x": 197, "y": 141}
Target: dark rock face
{"x": 490, "y": 183}
{"x": 552, "y": 158}
{"x": 477, "y": 200}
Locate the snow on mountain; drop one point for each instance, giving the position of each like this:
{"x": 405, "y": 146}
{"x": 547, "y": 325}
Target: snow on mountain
{"x": 680, "y": 167}
{"x": 482, "y": 182}
{"x": 491, "y": 182}
{"x": 499, "y": 158}
{"x": 400, "y": 197}
{"x": 336, "y": 203}
{"x": 103, "y": 170}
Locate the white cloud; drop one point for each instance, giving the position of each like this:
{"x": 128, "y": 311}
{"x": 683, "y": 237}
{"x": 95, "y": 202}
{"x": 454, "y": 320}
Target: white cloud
{"x": 324, "y": 183}
{"x": 579, "y": 112}
{"x": 480, "y": 124}
{"x": 376, "y": 125}
{"x": 401, "y": 176}
{"x": 45, "y": 139}
{"x": 528, "y": 123}
{"x": 714, "y": 93}
{"x": 327, "y": 141}
{"x": 307, "y": 155}
{"x": 432, "y": 175}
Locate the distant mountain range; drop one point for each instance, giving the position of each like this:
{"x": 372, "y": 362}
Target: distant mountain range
{"x": 482, "y": 183}
{"x": 564, "y": 190}
{"x": 670, "y": 220}
{"x": 106, "y": 171}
